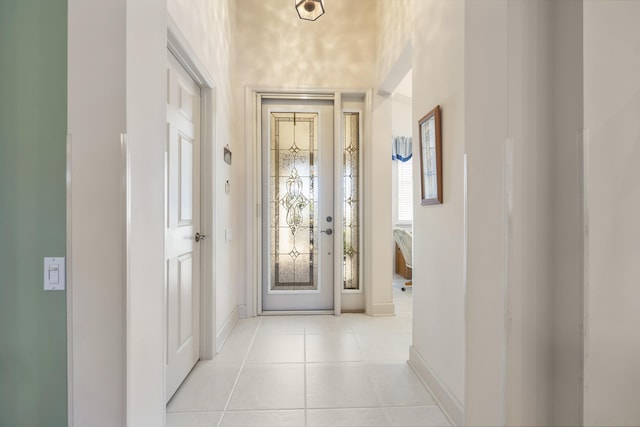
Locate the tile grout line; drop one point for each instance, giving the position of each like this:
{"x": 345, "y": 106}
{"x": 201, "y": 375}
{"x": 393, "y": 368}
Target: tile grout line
{"x": 324, "y": 408}
{"x": 358, "y": 343}
{"x": 368, "y": 365}
{"x": 385, "y": 407}
{"x": 235, "y": 383}
{"x": 370, "y": 375}
{"x": 304, "y": 360}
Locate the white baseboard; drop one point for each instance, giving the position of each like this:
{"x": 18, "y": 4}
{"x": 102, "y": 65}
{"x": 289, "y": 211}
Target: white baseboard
{"x": 242, "y": 311}
{"x": 449, "y": 404}
{"x": 226, "y": 329}
{"x": 383, "y": 309}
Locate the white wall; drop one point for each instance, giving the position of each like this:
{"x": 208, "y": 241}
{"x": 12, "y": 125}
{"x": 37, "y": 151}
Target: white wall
{"x": 208, "y": 26}
{"x": 529, "y": 259}
{"x": 612, "y": 294}
{"x": 96, "y": 269}
{"x": 435, "y": 32}
{"x": 510, "y": 267}
{"x": 438, "y": 292}
{"x": 486, "y": 91}
{"x": 567, "y": 333}
{"x": 117, "y": 315}
{"x": 146, "y": 111}
{"x": 401, "y": 118}
{"x": 377, "y": 213}
{"x": 395, "y": 27}
{"x": 523, "y": 102}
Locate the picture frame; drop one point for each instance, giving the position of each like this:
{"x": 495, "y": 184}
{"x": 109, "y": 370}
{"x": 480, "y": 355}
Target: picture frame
{"x": 430, "y": 131}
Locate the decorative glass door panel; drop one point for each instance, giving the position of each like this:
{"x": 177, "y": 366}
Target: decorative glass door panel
{"x": 351, "y": 202}
{"x": 294, "y": 201}
{"x": 297, "y": 162}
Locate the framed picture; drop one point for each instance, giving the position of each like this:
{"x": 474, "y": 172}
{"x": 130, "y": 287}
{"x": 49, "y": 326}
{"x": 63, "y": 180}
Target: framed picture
{"x": 430, "y": 128}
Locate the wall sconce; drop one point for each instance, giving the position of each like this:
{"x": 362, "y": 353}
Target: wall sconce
{"x": 310, "y": 10}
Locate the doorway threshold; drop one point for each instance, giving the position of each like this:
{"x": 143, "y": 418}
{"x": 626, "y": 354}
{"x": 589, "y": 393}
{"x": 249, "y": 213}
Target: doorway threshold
{"x": 295, "y": 312}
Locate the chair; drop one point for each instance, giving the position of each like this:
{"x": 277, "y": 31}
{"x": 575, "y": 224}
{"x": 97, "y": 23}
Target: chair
{"x": 404, "y": 241}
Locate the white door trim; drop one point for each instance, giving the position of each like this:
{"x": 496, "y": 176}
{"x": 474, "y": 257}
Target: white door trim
{"x": 338, "y": 248}
{"x": 178, "y": 45}
{"x": 253, "y": 131}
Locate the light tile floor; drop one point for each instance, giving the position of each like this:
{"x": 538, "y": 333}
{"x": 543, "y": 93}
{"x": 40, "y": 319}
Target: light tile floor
{"x": 298, "y": 371}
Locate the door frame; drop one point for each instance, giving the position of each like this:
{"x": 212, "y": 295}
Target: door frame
{"x": 254, "y": 188}
{"x": 178, "y": 46}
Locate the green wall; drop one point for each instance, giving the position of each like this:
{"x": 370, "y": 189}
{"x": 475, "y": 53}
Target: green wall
{"x": 33, "y": 104}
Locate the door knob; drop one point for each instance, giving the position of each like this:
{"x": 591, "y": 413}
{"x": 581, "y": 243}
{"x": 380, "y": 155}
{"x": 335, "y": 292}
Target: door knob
{"x": 328, "y": 231}
{"x": 200, "y": 237}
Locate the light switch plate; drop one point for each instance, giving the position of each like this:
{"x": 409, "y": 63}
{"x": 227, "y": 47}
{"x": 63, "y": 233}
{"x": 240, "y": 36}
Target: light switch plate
{"x": 227, "y": 235}
{"x": 54, "y": 274}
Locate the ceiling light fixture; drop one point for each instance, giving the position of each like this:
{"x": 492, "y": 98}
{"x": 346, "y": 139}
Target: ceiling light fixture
{"x": 310, "y": 10}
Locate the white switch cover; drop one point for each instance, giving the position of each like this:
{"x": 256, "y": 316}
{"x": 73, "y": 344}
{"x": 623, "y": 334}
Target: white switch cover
{"x": 227, "y": 234}
{"x": 54, "y": 274}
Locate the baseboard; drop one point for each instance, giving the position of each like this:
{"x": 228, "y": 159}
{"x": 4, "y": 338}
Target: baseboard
{"x": 449, "y": 404}
{"x": 383, "y": 309}
{"x": 226, "y": 329}
{"x": 242, "y": 311}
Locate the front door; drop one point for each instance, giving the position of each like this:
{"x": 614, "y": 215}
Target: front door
{"x": 297, "y": 225}
{"x": 182, "y": 252}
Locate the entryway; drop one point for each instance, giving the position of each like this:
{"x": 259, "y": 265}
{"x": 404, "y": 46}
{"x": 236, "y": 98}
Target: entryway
{"x": 307, "y": 194}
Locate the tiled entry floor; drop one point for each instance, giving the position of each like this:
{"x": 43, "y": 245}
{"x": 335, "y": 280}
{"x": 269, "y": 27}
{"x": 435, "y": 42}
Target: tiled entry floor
{"x": 282, "y": 371}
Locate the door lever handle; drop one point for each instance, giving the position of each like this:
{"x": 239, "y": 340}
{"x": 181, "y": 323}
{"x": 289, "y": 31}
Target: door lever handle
{"x": 200, "y": 237}
{"x": 328, "y": 231}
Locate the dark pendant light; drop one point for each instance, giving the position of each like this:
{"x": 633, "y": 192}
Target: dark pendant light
{"x": 310, "y": 10}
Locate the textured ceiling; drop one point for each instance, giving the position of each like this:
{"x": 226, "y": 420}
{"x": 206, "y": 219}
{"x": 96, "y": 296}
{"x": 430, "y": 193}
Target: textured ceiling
{"x": 276, "y": 48}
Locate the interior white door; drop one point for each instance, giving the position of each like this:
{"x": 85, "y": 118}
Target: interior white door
{"x": 182, "y": 199}
{"x": 297, "y": 168}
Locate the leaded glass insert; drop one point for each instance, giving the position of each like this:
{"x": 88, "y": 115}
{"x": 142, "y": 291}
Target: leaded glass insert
{"x": 293, "y": 196}
{"x": 351, "y": 207}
